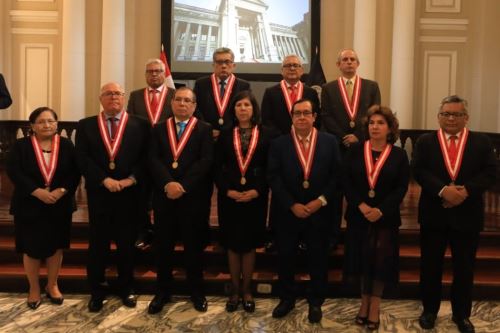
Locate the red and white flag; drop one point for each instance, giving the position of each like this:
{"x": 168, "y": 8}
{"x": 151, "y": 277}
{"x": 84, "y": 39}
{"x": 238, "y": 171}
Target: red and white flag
{"x": 168, "y": 76}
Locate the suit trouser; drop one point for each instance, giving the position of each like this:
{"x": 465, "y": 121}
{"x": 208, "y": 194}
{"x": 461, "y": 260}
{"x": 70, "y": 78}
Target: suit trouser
{"x": 104, "y": 227}
{"x": 316, "y": 239}
{"x": 184, "y": 220}
{"x": 463, "y": 246}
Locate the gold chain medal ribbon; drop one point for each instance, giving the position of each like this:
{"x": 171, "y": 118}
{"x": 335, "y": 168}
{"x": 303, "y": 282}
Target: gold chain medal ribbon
{"x": 353, "y": 106}
{"x": 286, "y": 95}
{"x": 243, "y": 163}
{"x": 373, "y": 169}
{"x": 154, "y": 115}
{"x": 453, "y": 170}
{"x": 49, "y": 170}
{"x": 305, "y": 158}
{"x": 112, "y": 146}
{"x": 177, "y": 147}
{"x": 222, "y": 103}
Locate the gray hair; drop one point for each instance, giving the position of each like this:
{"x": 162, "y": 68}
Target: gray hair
{"x": 155, "y": 61}
{"x": 222, "y": 50}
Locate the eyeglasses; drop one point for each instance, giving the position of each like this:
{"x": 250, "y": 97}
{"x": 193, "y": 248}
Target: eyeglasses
{"x": 48, "y": 121}
{"x": 304, "y": 114}
{"x": 223, "y": 62}
{"x": 448, "y": 115}
{"x": 154, "y": 71}
{"x": 112, "y": 94}
{"x": 292, "y": 65}
{"x": 185, "y": 100}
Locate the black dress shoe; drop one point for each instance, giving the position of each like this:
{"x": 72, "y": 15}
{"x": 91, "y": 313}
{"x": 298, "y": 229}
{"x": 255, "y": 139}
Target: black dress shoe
{"x": 283, "y": 308}
{"x": 129, "y": 300}
{"x": 315, "y": 314}
{"x": 199, "y": 303}
{"x": 232, "y": 304}
{"x": 249, "y": 306}
{"x": 144, "y": 239}
{"x": 157, "y": 303}
{"x": 95, "y": 304}
{"x": 55, "y": 300}
{"x": 427, "y": 320}
{"x": 34, "y": 304}
{"x": 464, "y": 325}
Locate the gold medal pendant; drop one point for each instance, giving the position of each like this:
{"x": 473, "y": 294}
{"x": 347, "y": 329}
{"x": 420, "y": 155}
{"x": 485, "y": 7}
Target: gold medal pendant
{"x": 452, "y": 184}
{"x": 371, "y": 193}
{"x": 175, "y": 164}
{"x": 305, "y": 184}
{"x": 221, "y": 121}
{"x": 112, "y": 165}
{"x": 352, "y": 124}
{"x": 243, "y": 180}
{"x": 47, "y": 188}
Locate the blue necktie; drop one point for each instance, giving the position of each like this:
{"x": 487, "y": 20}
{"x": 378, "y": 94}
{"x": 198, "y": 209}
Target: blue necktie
{"x": 182, "y": 127}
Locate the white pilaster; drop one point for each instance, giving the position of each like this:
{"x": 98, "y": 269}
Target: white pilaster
{"x": 113, "y": 42}
{"x": 365, "y": 12}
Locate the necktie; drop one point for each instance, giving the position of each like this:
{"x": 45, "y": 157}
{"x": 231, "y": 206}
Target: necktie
{"x": 304, "y": 144}
{"x": 222, "y": 87}
{"x": 112, "y": 127}
{"x": 293, "y": 94}
{"x": 182, "y": 127}
{"x": 349, "y": 85}
{"x": 452, "y": 150}
{"x": 154, "y": 100}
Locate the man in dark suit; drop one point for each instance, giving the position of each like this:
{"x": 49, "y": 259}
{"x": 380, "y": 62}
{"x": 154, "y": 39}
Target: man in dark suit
{"x": 111, "y": 157}
{"x": 214, "y": 92}
{"x": 302, "y": 172}
{"x": 278, "y": 99}
{"x": 455, "y": 167}
{"x": 276, "y": 110}
{"x": 152, "y": 103}
{"x": 5, "y": 100}
{"x": 344, "y": 103}
{"x": 180, "y": 158}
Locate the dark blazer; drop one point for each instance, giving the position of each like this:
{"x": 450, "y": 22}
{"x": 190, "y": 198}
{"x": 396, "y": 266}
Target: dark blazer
{"x": 228, "y": 174}
{"x": 93, "y": 159}
{"x": 137, "y": 107}
{"x": 5, "y": 99}
{"x": 477, "y": 174}
{"x": 207, "y": 109}
{"x": 275, "y": 113}
{"x": 22, "y": 169}
{"x": 193, "y": 164}
{"x": 285, "y": 177}
{"x": 390, "y": 189}
{"x": 334, "y": 117}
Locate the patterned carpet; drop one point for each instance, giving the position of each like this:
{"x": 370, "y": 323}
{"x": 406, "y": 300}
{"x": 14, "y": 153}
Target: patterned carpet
{"x": 179, "y": 316}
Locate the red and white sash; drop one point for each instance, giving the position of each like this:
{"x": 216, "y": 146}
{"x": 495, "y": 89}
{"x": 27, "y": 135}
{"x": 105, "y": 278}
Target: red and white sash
{"x": 243, "y": 163}
{"x": 353, "y": 106}
{"x": 154, "y": 115}
{"x": 112, "y": 146}
{"x": 453, "y": 169}
{"x": 177, "y": 147}
{"x": 222, "y": 103}
{"x": 49, "y": 170}
{"x": 288, "y": 100}
{"x": 373, "y": 169}
{"x": 306, "y": 157}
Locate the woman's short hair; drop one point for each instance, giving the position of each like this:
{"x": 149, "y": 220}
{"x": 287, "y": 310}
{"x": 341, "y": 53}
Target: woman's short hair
{"x": 38, "y": 111}
{"x": 390, "y": 118}
{"x": 256, "y": 116}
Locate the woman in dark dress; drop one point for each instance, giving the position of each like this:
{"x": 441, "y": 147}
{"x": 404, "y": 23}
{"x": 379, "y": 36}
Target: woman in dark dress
{"x": 43, "y": 170}
{"x": 375, "y": 181}
{"x": 241, "y": 158}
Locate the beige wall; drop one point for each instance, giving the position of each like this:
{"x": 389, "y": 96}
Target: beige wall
{"x": 456, "y": 51}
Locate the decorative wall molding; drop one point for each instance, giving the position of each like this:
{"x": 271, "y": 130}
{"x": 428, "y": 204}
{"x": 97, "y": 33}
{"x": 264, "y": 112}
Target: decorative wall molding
{"x": 33, "y": 16}
{"x": 34, "y": 31}
{"x": 443, "y": 24}
{"x": 35, "y": 0}
{"x": 36, "y": 78}
{"x": 442, "y": 6}
{"x": 442, "y": 39}
{"x": 440, "y": 80}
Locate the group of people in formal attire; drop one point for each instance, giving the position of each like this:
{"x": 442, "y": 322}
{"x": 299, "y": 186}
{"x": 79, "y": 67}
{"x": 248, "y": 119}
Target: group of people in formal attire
{"x": 169, "y": 147}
